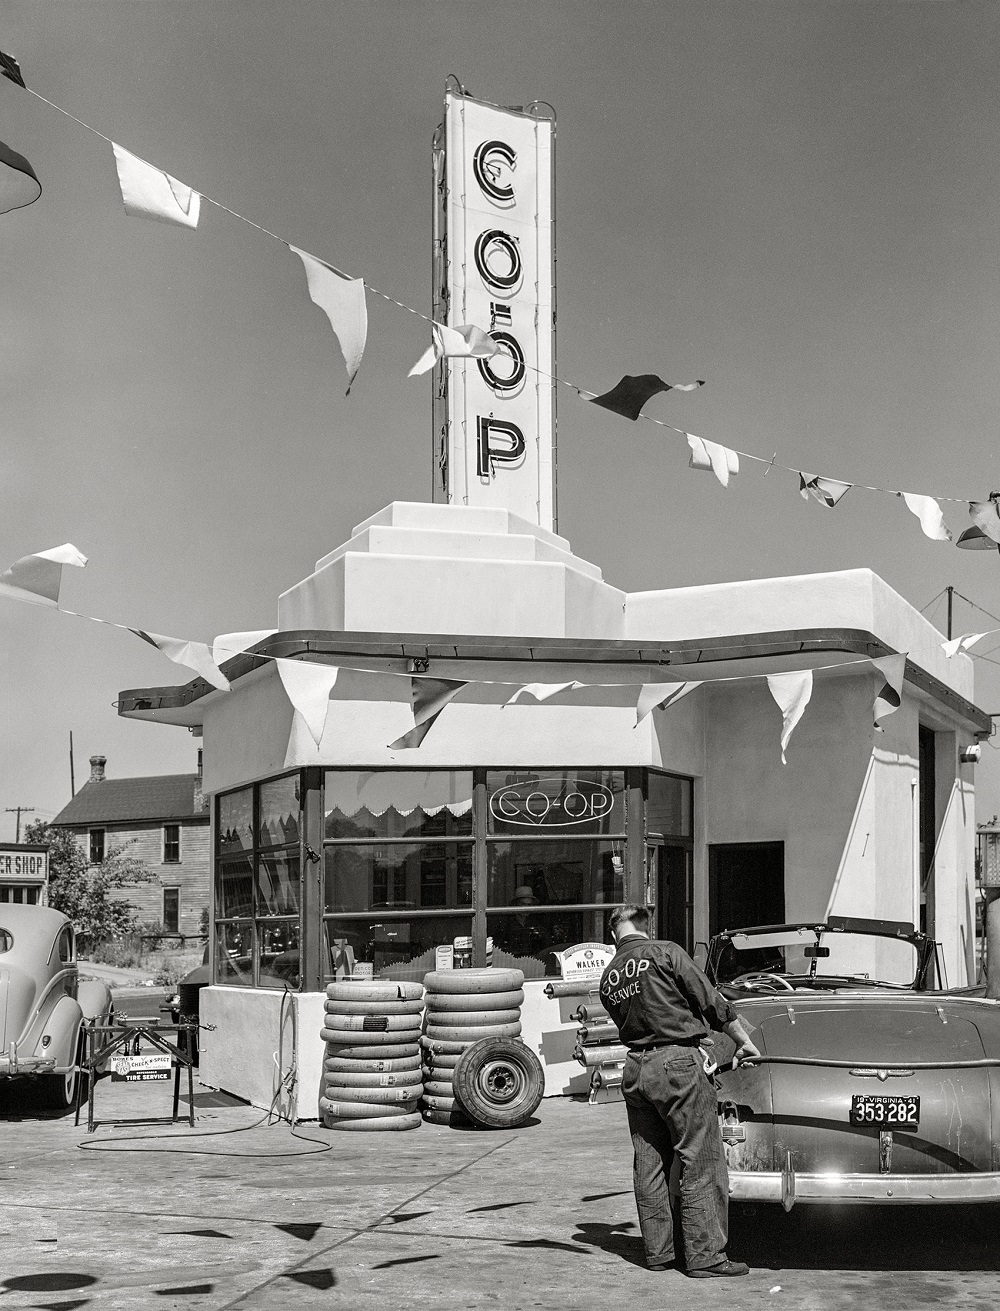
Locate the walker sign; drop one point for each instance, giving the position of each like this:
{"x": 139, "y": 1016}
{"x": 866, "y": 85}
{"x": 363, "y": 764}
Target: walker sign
{"x": 494, "y": 418}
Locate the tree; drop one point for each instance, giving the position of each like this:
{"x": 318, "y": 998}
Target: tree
{"x": 88, "y": 893}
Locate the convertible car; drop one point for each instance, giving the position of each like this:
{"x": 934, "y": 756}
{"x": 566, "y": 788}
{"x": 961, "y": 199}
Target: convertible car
{"x": 43, "y": 1003}
{"x": 872, "y": 1086}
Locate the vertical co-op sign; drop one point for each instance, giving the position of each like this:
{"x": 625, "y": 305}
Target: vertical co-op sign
{"x": 494, "y": 419}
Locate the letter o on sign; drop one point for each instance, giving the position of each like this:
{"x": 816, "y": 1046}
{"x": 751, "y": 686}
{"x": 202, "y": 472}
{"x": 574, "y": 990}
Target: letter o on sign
{"x": 498, "y": 260}
{"x": 515, "y": 358}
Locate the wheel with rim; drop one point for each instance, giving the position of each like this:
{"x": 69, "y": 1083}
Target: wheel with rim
{"x": 448, "y": 1033}
{"x": 466, "y": 981}
{"x": 57, "y": 1092}
{"x": 397, "y": 990}
{"x": 499, "y": 1083}
{"x": 377, "y": 1124}
{"x": 474, "y": 1001}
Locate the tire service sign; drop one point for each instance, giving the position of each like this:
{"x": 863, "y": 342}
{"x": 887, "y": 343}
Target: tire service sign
{"x": 494, "y": 419}
{"x": 151, "y": 1068}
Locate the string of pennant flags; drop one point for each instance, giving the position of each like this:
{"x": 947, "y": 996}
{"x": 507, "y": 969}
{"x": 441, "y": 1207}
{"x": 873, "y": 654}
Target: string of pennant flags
{"x": 150, "y": 192}
{"x": 37, "y": 579}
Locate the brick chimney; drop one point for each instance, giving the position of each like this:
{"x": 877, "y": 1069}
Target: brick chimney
{"x": 97, "y": 764}
{"x": 200, "y": 800}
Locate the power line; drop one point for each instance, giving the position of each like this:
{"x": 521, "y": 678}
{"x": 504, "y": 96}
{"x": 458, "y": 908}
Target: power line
{"x": 19, "y": 810}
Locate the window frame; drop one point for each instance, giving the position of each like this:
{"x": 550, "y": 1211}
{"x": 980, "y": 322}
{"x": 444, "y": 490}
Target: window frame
{"x": 166, "y": 859}
{"x": 91, "y": 836}
{"x": 257, "y": 924}
{"x": 174, "y": 888}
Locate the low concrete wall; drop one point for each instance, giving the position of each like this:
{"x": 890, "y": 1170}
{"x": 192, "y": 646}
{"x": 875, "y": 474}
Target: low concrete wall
{"x": 259, "y": 1038}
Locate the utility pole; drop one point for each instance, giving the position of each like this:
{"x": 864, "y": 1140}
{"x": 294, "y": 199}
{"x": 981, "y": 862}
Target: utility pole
{"x": 20, "y": 810}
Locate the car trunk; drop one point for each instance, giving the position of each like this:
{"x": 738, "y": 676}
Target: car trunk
{"x": 813, "y": 1102}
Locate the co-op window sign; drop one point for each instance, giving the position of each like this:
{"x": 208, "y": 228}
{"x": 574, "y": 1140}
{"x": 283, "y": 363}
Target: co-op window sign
{"x": 549, "y": 803}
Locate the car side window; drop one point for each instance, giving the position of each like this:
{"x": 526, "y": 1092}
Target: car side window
{"x": 66, "y": 945}
{"x": 6, "y": 941}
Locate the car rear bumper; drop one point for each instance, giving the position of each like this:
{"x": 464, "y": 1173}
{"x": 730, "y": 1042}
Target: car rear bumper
{"x": 15, "y": 1066}
{"x": 789, "y": 1187}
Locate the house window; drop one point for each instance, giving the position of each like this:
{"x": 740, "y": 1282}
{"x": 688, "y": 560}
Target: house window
{"x": 171, "y": 844}
{"x": 171, "y": 910}
{"x": 96, "y": 845}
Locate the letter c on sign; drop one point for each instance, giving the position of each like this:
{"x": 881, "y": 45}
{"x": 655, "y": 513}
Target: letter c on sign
{"x": 486, "y": 168}
{"x": 488, "y": 454}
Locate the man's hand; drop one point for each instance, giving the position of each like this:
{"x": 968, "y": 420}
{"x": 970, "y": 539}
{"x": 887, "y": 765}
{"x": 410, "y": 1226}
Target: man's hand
{"x": 746, "y": 1049}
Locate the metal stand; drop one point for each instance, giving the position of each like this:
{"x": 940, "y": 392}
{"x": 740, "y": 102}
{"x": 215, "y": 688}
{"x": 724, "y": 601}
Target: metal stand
{"x": 103, "y": 1040}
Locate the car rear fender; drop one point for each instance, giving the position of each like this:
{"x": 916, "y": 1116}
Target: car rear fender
{"x": 94, "y": 997}
{"x": 53, "y": 1037}
{"x": 746, "y": 1117}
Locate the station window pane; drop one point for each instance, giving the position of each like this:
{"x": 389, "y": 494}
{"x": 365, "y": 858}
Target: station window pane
{"x": 394, "y": 949}
{"x": 555, "y": 873}
{"x": 235, "y": 831}
{"x": 398, "y": 804}
{"x": 279, "y": 811}
{"x": 278, "y": 883}
{"x": 397, "y": 876}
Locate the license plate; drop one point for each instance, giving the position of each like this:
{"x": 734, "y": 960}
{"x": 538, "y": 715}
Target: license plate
{"x": 885, "y": 1110}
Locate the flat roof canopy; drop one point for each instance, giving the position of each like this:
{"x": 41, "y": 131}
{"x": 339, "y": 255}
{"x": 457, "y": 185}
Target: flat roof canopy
{"x": 180, "y": 703}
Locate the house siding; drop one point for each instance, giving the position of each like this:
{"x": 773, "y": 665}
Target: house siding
{"x": 144, "y": 841}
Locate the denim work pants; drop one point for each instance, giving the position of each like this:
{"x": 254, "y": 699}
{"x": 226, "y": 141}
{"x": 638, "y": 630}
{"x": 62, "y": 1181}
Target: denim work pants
{"x": 672, "y": 1110}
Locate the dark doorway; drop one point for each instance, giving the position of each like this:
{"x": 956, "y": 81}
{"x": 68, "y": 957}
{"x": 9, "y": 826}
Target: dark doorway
{"x": 675, "y": 895}
{"x": 746, "y": 884}
{"x": 928, "y": 827}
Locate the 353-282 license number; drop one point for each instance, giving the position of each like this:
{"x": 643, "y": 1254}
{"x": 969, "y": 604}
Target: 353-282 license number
{"x": 885, "y": 1109}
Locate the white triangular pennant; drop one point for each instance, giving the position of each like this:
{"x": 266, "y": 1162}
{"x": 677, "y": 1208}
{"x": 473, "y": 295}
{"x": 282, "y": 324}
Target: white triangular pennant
{"x": 929, "y": 513}
{"x": 150, "y": 193}
{"x": 659, "y": 696}
{"x": 791, "y": 693}
{"x": 308, "y": 687}
{"x": 342, "y": 300}
{"x": 37, "y": 578}
{"x": 193, "y": 655}
{"x": 542, "y": 691}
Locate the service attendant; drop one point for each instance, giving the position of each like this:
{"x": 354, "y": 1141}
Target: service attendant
{"x": 665, "y": 1008}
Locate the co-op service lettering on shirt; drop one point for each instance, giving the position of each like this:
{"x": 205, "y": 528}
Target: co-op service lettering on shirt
{"x": 628, "y": 979}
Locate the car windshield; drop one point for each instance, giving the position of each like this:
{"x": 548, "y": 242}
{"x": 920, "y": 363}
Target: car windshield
{"x": 806, "y": 955}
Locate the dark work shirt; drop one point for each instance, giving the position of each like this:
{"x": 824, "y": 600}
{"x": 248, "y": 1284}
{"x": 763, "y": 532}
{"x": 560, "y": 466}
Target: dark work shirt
{"x": 655, "y": 993}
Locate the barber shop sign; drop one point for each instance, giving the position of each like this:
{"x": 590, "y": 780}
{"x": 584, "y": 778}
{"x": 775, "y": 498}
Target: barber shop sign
{"x": 494, "y": 421}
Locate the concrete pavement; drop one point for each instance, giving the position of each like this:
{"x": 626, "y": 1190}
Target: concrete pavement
{"x": 240, "y": 1213}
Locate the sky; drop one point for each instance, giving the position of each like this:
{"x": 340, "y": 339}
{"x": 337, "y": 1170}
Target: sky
{"x": 796, "y": 200}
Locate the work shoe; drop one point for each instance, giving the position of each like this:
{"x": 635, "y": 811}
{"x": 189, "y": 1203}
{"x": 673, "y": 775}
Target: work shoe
{"x": 724, "y": 1270}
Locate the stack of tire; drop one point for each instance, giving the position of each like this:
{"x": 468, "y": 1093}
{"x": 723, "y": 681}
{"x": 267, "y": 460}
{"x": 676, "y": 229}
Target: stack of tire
{"x": 462, "y": 1008}
{"x": 371, "y": 1069}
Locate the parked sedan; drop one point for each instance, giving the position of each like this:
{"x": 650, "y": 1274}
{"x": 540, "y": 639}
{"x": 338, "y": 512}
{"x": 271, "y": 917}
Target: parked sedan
{"x": 873, "y": 1086}
{"x": 43, "y": 1003}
